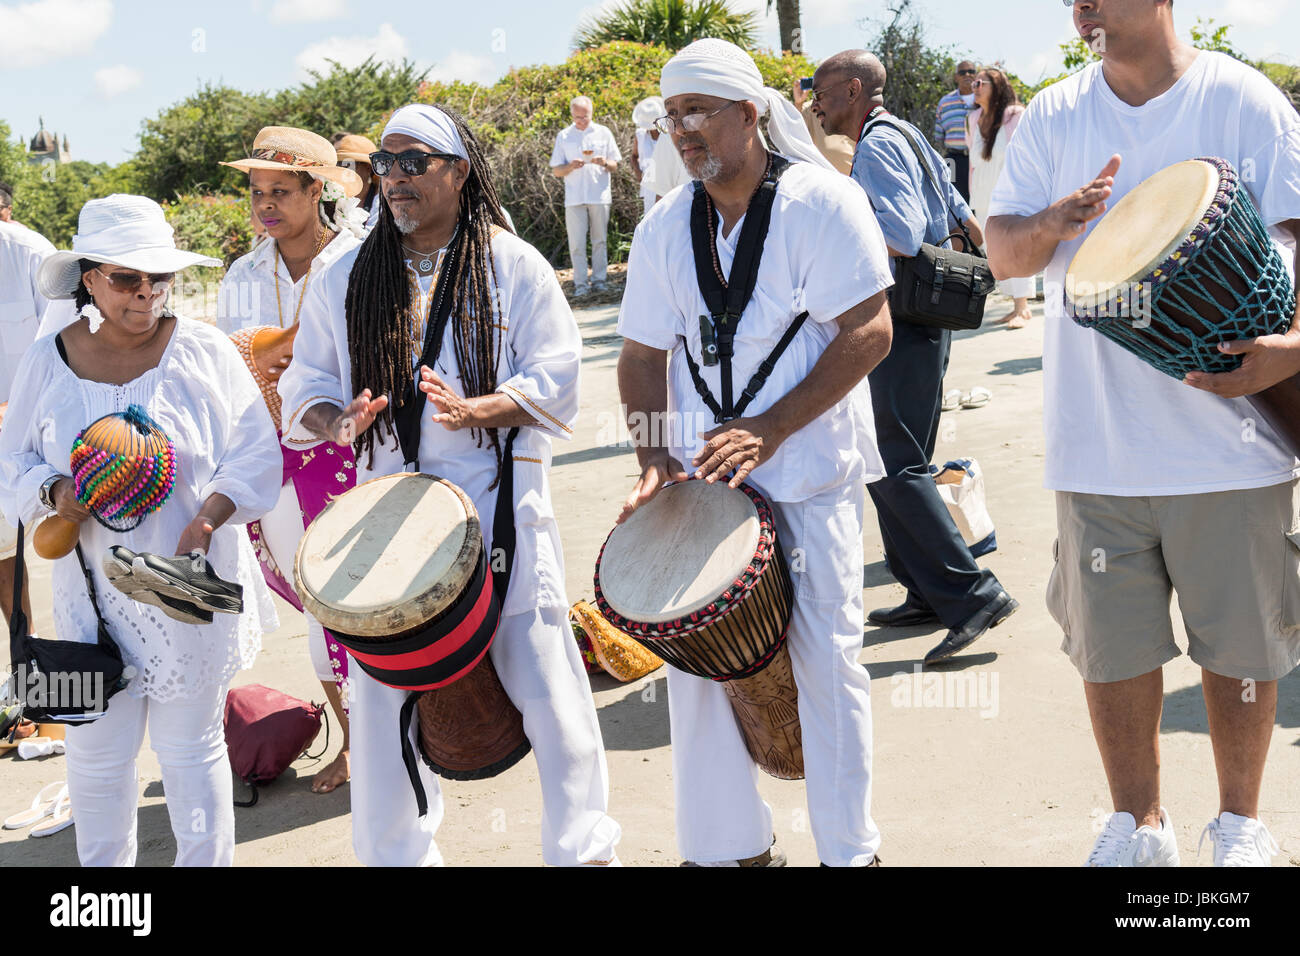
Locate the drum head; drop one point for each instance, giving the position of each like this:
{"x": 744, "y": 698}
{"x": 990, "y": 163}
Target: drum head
{"x": 388, "y": 556}
{"x": 1142, "y": 230}
{"x": 680, "y": 552}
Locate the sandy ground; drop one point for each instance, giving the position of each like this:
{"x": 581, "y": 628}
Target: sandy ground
{"x": 997, "y": 767}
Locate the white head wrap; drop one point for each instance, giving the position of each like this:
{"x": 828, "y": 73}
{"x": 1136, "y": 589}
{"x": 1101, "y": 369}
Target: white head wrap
{"x": 717, "y": 68}
{"x": 430, "y": 126}
{"x": 647, "y": 111}
{"x": 348, "y": 213}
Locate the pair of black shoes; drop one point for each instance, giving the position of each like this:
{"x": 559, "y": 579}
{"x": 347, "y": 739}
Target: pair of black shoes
{"x": 184, "y": 587}
{"x": 957, "y": 639}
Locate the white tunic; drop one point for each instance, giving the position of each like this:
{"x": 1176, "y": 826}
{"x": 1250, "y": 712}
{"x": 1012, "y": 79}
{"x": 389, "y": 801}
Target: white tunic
{"x": 21, "y": 254}
{"x": 538, "y": 370}
{"x": 203, "y": 398}
{"x": 248, "y": 291}
{"x": 825, "y": 254}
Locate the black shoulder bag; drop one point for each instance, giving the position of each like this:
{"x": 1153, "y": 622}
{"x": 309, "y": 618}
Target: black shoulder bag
{"x": 62, "y": 682}
{"x": 726, "y": 298}
{"x": 939, "y": 286}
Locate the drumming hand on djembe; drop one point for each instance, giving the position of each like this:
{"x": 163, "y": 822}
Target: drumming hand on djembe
{"x": 454, "y": 411}
{"x": 658, "y": 471}
{"x": 1267, "y": 360}
{"x": 740, "y": 445}
{"x": 356, "y": 417}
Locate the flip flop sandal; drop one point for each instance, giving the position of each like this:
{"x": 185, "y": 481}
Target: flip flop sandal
{"x": 118, "y": 567}
{"x": 41, "y": 807}
{"x": 189, "y": 578}
{"x": 60, "y": 818}
{"x": 977, "y": 397}
{"x": 952, "y": 399}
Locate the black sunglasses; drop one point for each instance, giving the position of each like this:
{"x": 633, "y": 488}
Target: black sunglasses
{"x": 967, "y": 72}
{"x": 413, "y": 161}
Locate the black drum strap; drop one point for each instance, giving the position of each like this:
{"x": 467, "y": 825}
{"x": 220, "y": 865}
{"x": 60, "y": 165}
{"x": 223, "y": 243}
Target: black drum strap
{"x": 409, "y": 413}
{"x": 726, "y": 299}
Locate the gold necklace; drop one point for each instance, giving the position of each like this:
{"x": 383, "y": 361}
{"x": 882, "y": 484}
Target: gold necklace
{"x": 321, "y": 242}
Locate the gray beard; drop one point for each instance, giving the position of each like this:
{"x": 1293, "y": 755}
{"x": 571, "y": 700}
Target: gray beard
{"x": 405, "y": 224}
{"x": 709, "y": 170}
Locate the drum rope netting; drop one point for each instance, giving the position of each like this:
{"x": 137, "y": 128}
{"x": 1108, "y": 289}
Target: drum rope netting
{"x": 123, "y": 468}
{"x": 1204, "y": 277}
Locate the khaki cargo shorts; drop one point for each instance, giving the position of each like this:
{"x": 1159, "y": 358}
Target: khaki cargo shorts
{"x": 1233, "y": 558}
{"x": 8, "y": 540}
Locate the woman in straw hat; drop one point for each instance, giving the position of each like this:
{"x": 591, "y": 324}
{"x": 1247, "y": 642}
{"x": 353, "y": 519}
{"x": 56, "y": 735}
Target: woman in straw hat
{"x": 302, "y": 196}
{"x": 354, "y": 152}
{"x": 127, "y": 349}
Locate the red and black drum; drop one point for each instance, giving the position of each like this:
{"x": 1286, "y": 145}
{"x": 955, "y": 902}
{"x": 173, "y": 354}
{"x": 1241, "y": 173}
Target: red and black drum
{"x": 395, "y": 568}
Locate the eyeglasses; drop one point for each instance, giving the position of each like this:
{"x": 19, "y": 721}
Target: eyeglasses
{"x": 816, "y": 95}
{"x": 413, "y": 162}
{"x": 967, "y": 72}
{"x": 131, "y": 281}
{"x": 690, "y": 123}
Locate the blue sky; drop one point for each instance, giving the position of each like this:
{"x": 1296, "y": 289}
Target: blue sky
{"x": 96, "y": 68}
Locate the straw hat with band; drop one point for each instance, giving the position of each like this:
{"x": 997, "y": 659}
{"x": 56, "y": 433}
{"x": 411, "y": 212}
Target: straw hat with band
{"x": 127, "y": 231}
{"x": 299, "y": 151}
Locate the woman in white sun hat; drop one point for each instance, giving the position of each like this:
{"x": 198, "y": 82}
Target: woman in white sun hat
{"x": 302, "y": 196}
{"x": 126, "y": 348}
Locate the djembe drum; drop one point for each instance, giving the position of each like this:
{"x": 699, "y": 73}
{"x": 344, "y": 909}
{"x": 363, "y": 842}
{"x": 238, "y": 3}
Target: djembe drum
{"x": 698, "y": 577}
{"x": 1180, "y": 264}
{"x": 123, "y": 468}
{"x": 396, "y": 570}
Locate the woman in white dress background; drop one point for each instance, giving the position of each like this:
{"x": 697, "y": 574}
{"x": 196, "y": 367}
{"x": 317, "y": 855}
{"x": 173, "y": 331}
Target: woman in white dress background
{"x": 127, "y": 349}
{"x": 305, "y": 201}
{"x": 989, "y": 128}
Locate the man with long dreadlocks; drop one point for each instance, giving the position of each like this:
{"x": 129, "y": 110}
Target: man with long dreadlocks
{"x": 509, "y": 359}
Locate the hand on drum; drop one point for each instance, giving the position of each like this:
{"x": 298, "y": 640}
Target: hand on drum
{"x": 359, "y": 415}
{"x": 1267, "y": 360}
{"x": 740, "y": 445}
{"x": 662, "y": 469}
{"x": 1069, "y": 217}
{"x": 454, "y": 411}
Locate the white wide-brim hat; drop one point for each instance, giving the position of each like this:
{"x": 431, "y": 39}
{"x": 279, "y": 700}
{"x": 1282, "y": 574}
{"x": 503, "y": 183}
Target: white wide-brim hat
{"x": 126, "y": 231}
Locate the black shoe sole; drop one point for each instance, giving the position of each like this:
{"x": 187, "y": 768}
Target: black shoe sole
{"x": 909, "y": 622}
{"x": 1011, "y": 607}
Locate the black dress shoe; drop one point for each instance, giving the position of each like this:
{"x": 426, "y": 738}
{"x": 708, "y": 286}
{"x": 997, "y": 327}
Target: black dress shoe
{"x": 905, "y": 615}
{"x": 959, "y": 638}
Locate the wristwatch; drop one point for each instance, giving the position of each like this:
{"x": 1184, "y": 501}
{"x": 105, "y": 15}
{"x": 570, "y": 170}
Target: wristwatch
{"x": 46, "y": 494}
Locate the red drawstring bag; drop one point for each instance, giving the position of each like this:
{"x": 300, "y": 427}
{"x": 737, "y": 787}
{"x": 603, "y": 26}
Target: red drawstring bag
{"x": 266, "y": 731}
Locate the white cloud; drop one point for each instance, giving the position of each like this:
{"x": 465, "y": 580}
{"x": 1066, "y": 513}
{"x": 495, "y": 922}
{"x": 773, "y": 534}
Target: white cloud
{"x": 466, "y": 67}
{"x": 351, "y": 51}
{"x": 45, "y": 30}
{"x": 307, "y": 11}
{"x": 1252, "y": 13}
{"x": 116, "y": 80}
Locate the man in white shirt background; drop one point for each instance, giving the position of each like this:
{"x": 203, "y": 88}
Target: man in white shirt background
{"x": 585, "y": 154}
{"x": 1149, "y": 473}
{"x": 21, "y": 305}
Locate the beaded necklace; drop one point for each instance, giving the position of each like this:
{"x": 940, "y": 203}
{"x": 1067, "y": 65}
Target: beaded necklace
{"x": 713, "y": 220}
{"x": 321, "y": 243}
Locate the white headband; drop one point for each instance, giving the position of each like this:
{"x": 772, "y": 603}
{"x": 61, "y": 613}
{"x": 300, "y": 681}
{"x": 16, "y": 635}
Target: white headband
{"x": 714, "y": 67}
{"x": 430, "y": 126}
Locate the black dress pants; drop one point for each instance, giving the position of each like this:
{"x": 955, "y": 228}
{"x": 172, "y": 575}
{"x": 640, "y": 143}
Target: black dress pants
{"x": 923, "y": 548}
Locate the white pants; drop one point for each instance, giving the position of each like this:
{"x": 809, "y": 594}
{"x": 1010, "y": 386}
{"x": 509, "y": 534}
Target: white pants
{"x": 576, "y": 220}
{"x": 541, "y": 669}
{"x": 282, "y": 529}
{"x": 1019, "y": 288}
{"x": 189, "y": 738}
{"x": 720, "y": 815}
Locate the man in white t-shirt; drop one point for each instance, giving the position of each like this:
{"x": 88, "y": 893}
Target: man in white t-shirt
{"x": 21, "y": 305}
{"x": 1160, "y": 486}
{"x": 585, "y": 154}
{"x": 806, "y": 441}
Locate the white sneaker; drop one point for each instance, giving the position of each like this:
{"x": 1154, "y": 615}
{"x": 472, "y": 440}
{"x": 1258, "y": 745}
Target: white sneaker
{"x": 1239, "y": 841}
{"x": 1123, "y": 843}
